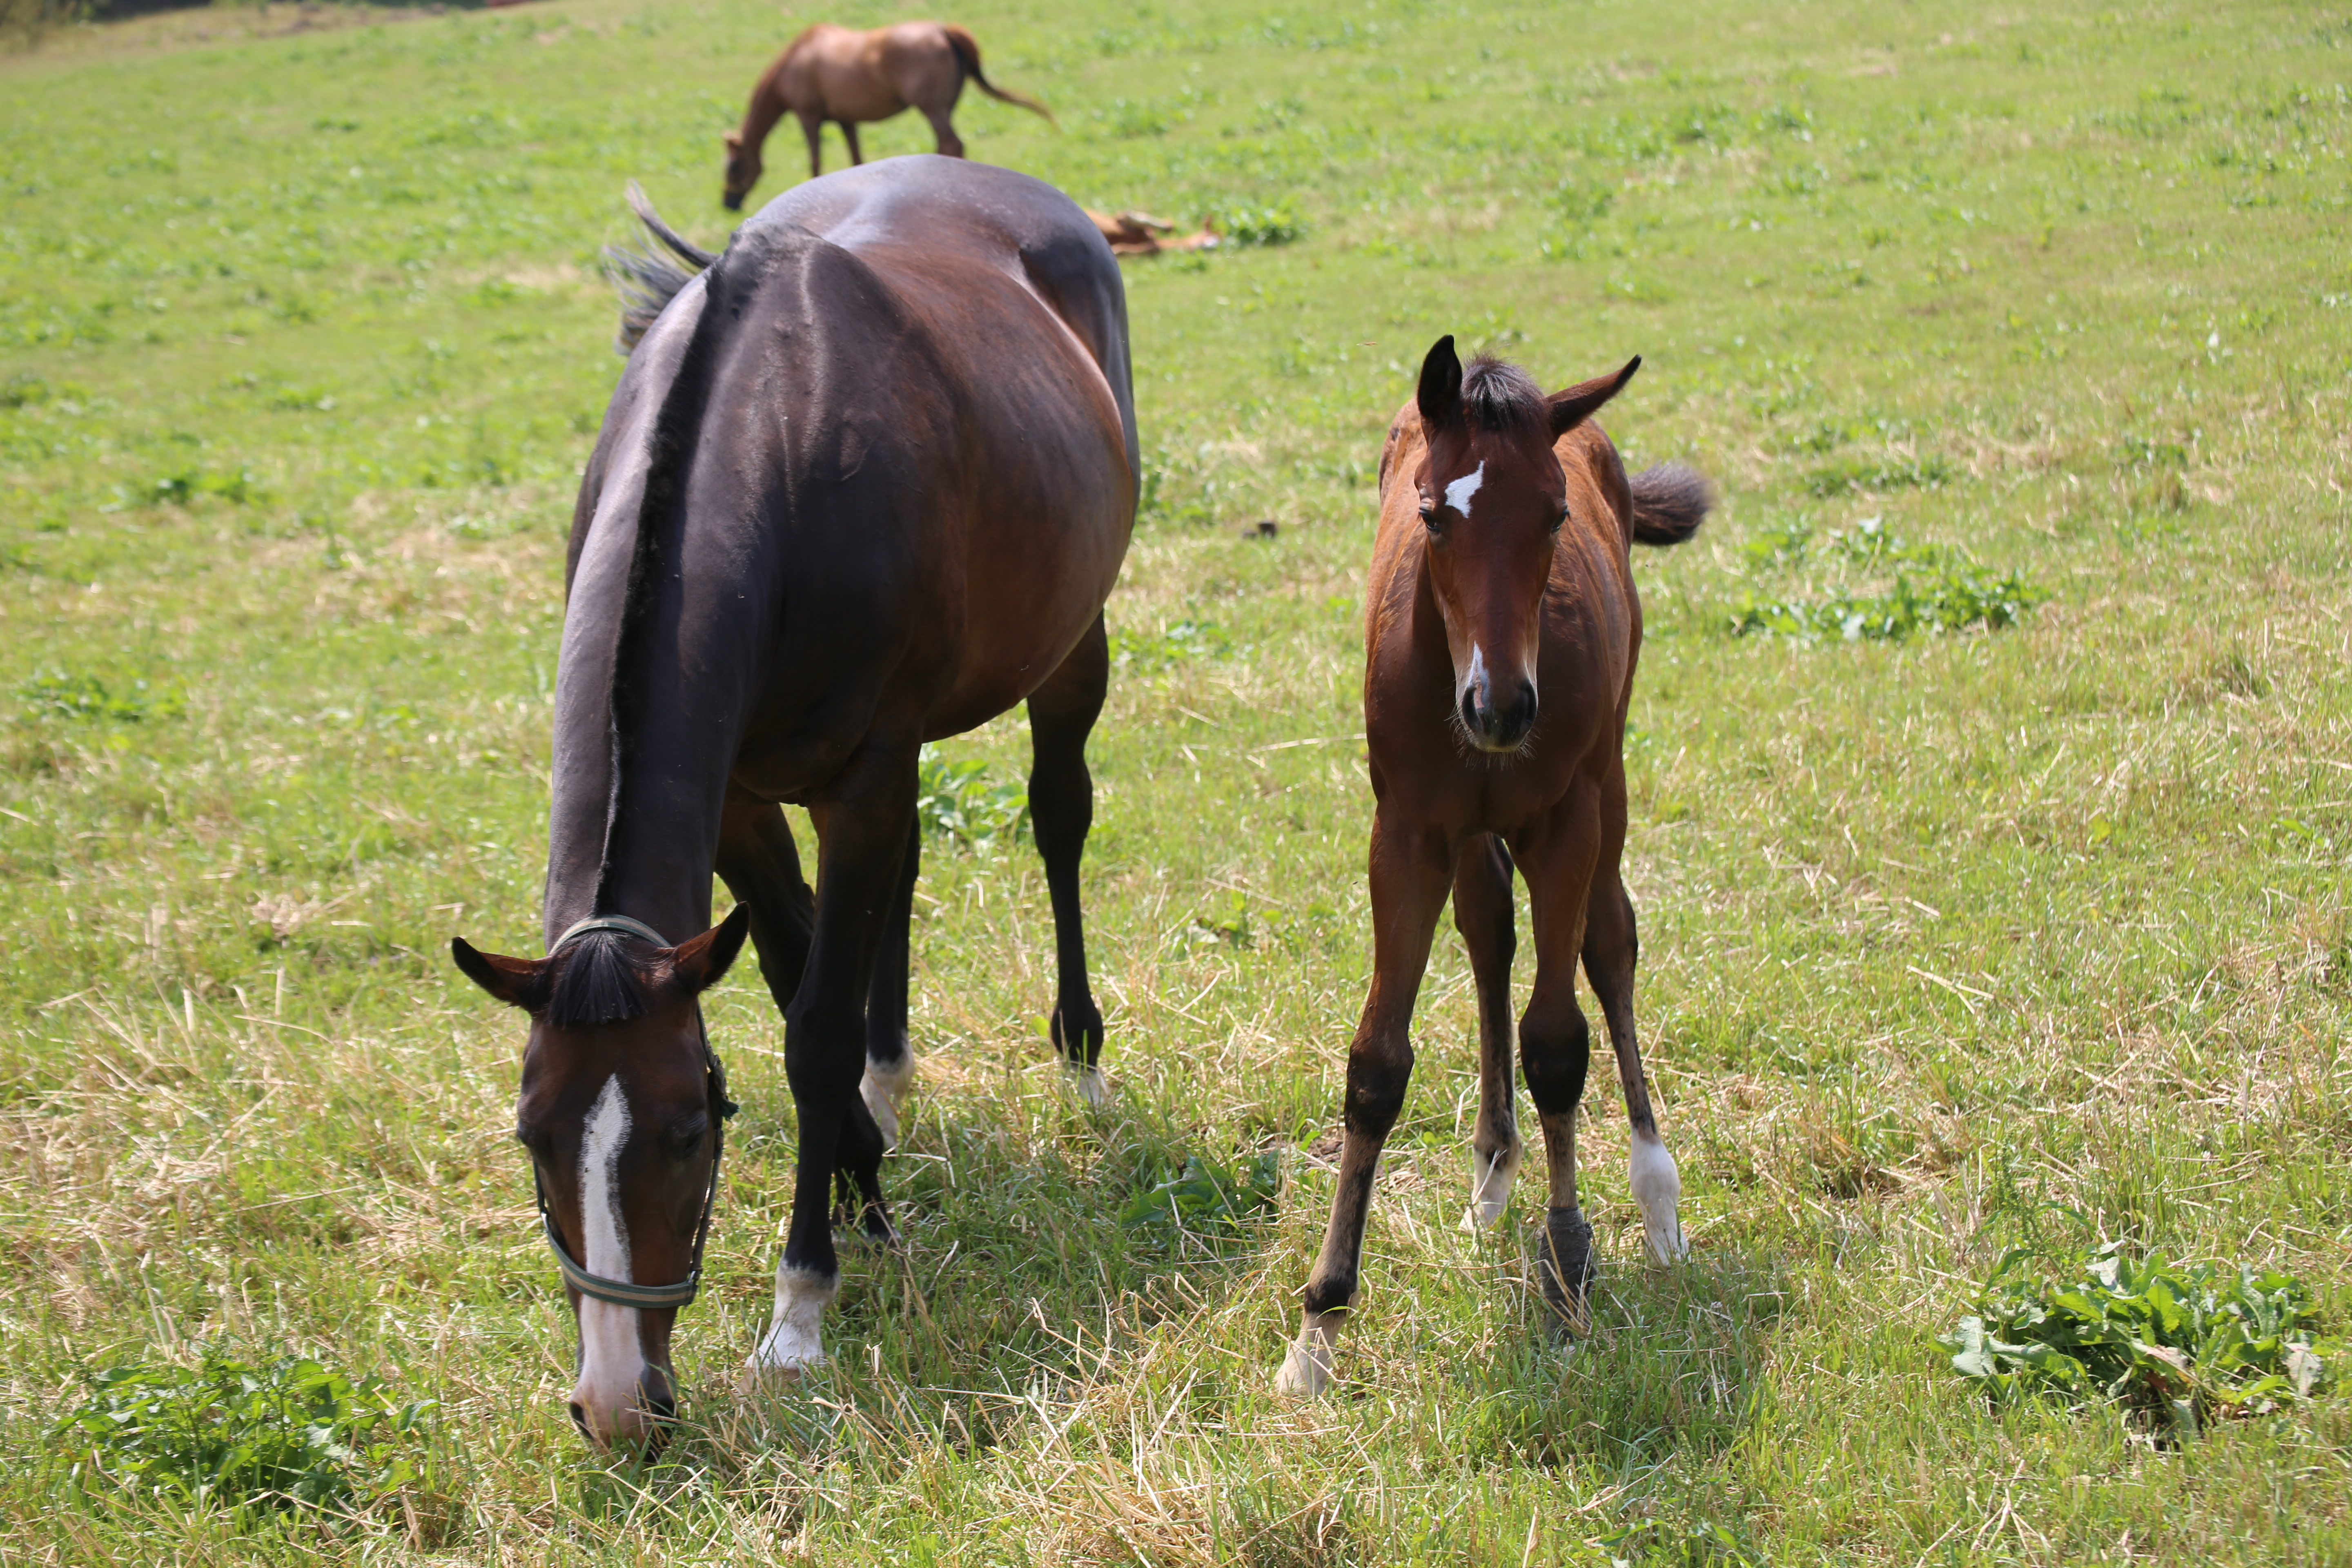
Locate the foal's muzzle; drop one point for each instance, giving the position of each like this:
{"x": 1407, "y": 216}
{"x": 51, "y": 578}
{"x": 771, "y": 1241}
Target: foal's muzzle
{"x": 1493, "y": 725}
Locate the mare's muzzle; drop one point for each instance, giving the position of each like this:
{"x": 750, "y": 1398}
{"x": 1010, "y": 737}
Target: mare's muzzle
{"x": 1496, "y": 721}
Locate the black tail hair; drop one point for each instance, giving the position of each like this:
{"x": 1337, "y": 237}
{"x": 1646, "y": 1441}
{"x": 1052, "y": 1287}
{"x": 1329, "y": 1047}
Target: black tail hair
{"x": 648, "y": 281}
{"x": 1670, "y": 500}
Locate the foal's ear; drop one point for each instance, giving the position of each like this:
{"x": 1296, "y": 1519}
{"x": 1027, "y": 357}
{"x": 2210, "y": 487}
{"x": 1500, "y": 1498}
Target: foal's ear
{"x": 517, "y": 982}
{"x": 1440, "y": 393}
{"x": 699, "y": 964}
{"x": 1573, "y": 406}
{"x": 734, "y": 142}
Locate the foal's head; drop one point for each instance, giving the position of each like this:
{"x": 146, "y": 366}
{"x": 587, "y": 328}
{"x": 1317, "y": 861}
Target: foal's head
{"x": 743, "y": 169}
{"x": 1492, "y": 499}
{"x": 621, "y": 1113}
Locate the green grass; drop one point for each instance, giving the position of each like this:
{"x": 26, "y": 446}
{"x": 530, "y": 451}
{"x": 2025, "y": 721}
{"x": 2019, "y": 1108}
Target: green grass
{"x": 1955, "y": 943}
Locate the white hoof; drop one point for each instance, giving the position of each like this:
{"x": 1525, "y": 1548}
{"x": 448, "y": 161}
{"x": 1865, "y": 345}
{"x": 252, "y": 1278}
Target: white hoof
{"x": 1307, "y": 1366}
{"x": 1490, "y": 1187}
{"x": 1089, "y": 1085}
{"x": 883, "y": 1088}
{"x": 1658, "y": 1189}
{"x": 794, "y": 1339}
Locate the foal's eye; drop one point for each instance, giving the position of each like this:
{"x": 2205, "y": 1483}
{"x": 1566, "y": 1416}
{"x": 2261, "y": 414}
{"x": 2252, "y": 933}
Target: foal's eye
{"x": 1558, "y": 518}
{"x": 1430, "y": 518}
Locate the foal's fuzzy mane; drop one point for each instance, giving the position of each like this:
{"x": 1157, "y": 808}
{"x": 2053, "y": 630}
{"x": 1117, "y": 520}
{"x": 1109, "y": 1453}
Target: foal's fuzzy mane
{"x": 1499, "y": 396}
{"x": 597, "y": 982}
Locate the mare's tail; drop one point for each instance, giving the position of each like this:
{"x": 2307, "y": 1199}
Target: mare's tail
{"x": 1670, "y": 502}
{"x": 647, "y": 279}
{"x": 967, "y": 54}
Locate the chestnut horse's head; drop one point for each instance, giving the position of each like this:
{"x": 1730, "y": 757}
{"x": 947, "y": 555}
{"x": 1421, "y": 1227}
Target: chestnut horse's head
{"x": 1493, "y": 497}
{"x": 743, "y": 168}
{"x": 622, "y": 1109}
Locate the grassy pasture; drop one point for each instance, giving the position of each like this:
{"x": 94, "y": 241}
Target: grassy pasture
{"x": 1954, "y": 942}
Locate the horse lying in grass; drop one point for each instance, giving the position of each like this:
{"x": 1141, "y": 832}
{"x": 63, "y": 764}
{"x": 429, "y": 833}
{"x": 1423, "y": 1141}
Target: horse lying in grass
{"x": 865, "y": 482}
{"x": 1501, "y": 629}
{"x": 833, "y": 73}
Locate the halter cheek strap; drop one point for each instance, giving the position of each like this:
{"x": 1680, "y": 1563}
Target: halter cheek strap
{"x": 620, "y": 1292}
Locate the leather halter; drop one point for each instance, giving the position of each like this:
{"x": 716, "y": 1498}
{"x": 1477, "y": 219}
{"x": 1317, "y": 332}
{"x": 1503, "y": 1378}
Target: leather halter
{"x": 621, "y": 1293}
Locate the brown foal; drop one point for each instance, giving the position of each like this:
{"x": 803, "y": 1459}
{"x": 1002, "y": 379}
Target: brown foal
{"x": 1501, "y": 630}
{"x": 833, "y": 73}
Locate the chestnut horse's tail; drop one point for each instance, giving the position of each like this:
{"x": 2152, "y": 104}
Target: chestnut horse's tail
{"x": 967, "y": 54}
{"x": 1670, "y": 502}
{"x": 647, "y": 279}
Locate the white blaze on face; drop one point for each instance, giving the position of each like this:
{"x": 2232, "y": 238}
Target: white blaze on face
{"x": 1458, "y": 493}
{"x": 612, "y": 1360}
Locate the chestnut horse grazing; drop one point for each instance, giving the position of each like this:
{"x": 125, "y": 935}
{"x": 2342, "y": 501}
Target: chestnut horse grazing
{"x": 833, "y": 73}
{"x": 1500, "y": 634}
{"x": 865, "y": 482}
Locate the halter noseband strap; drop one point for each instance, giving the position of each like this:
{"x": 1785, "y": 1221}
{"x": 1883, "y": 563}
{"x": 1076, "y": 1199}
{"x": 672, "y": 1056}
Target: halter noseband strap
{"x": 618, "y": 1292}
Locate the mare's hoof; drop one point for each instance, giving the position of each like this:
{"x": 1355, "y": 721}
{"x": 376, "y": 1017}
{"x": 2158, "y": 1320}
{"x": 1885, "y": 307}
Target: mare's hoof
{"x": 1564, "y": 1262}
{"x": 882, "y": 1089}
{"x": 770, "y": 1380}
{"x": 1088, "y": 1084}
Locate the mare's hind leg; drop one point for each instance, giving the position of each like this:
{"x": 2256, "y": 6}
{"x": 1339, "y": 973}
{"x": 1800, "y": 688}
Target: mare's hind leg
{"x": 1558, "y": 857}
{"x": 1482, "y": 913}
{"x": 1412, "y": 868}
{"x": 1611, "y": 948}
{"x": 861, "y": 841}
{"x": 761, "y": 866}
{"x": 889, "y": 1064}
{"x": 1062, "y": 713}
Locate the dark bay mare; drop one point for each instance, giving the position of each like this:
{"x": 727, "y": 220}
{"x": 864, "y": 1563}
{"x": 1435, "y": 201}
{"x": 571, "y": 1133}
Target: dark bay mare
{"x": 1501, "y": 630}
{"x": 865, "y": 482}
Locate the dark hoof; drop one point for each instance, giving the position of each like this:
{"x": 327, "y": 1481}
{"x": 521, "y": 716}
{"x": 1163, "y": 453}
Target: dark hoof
{"x": 1564, "y": 1262}
{"x": 1077, "y": 1033}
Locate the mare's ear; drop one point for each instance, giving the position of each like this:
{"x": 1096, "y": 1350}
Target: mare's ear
{"x": 701, "y": 962}
{"x": 1440, "y": 393}
{"x": 517, "y": 982}
{"x": 1573, "y": 406}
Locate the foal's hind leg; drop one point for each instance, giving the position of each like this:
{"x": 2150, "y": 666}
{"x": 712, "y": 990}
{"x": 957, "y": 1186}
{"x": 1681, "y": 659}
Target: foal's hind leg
{"x": 849, "y": 134}
{"x": 1611, "y": 948}
{"x": 889, "y": 1064}
{"x": 812, "y": 127}
{"x": 1062, "y": 713}
{"x": 943, "y": 127}
{"x": 1482, "y": 913}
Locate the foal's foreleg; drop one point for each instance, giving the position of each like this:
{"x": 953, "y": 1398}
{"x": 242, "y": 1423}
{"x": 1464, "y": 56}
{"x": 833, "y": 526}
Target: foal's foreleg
{"x": 1555, "y": 1042}
{"x": 1062, "y": 714}
{"x": 1482, "y": 913}
{"x": 862, "y": 839}
{"x": 1410, "y": 868}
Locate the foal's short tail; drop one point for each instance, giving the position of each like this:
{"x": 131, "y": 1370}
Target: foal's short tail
{"x": 1670, "y": 502}
{"x": 647, "y": 279}
{"x": 967, "y": 53}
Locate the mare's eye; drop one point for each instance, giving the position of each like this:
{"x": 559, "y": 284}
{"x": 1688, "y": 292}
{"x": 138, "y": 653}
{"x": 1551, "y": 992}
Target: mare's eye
{"x": 686, "y": 1137}
{"x": 533, "y": 1140}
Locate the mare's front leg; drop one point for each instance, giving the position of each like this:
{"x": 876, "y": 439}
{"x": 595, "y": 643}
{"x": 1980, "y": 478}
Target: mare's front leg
{"x": 890, "y": 1063}
{"x": 1062, "y": 714}
{"x": 1410, "y": 868}
{"x": 1611, "y": 949}
{"x": 1482, "y": 913}
{"x": 1558, "y": 857}
{"x": 861, "y": 841}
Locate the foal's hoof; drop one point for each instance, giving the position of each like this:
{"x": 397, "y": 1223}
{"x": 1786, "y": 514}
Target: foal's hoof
{"x": 1307, "y": 1365}
{"x": 1490, "y": 1187}
{"x": 1564, "y": 1262}
{"x": 1088, "y": 1085}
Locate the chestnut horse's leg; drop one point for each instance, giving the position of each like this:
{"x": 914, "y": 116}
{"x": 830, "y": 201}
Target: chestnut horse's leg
{"x": 1482, "y": 913}
{"x": 942, "y": 120}
{"x": 1558, "y": 858}
{"x": 849, "y": 134}
{"x": 812, "y": 127}
{"x": 1411, "y": 866}
{"x": 1611, "y": 948}
{"x": 861, "y": 841}
{"x": 889, "y": 1064}
{"x": 1062, "y": 713}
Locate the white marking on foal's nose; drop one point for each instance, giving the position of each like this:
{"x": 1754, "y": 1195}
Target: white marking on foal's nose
{"x": 1458, "y": 493}
{"x": 611, "y": 1359}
